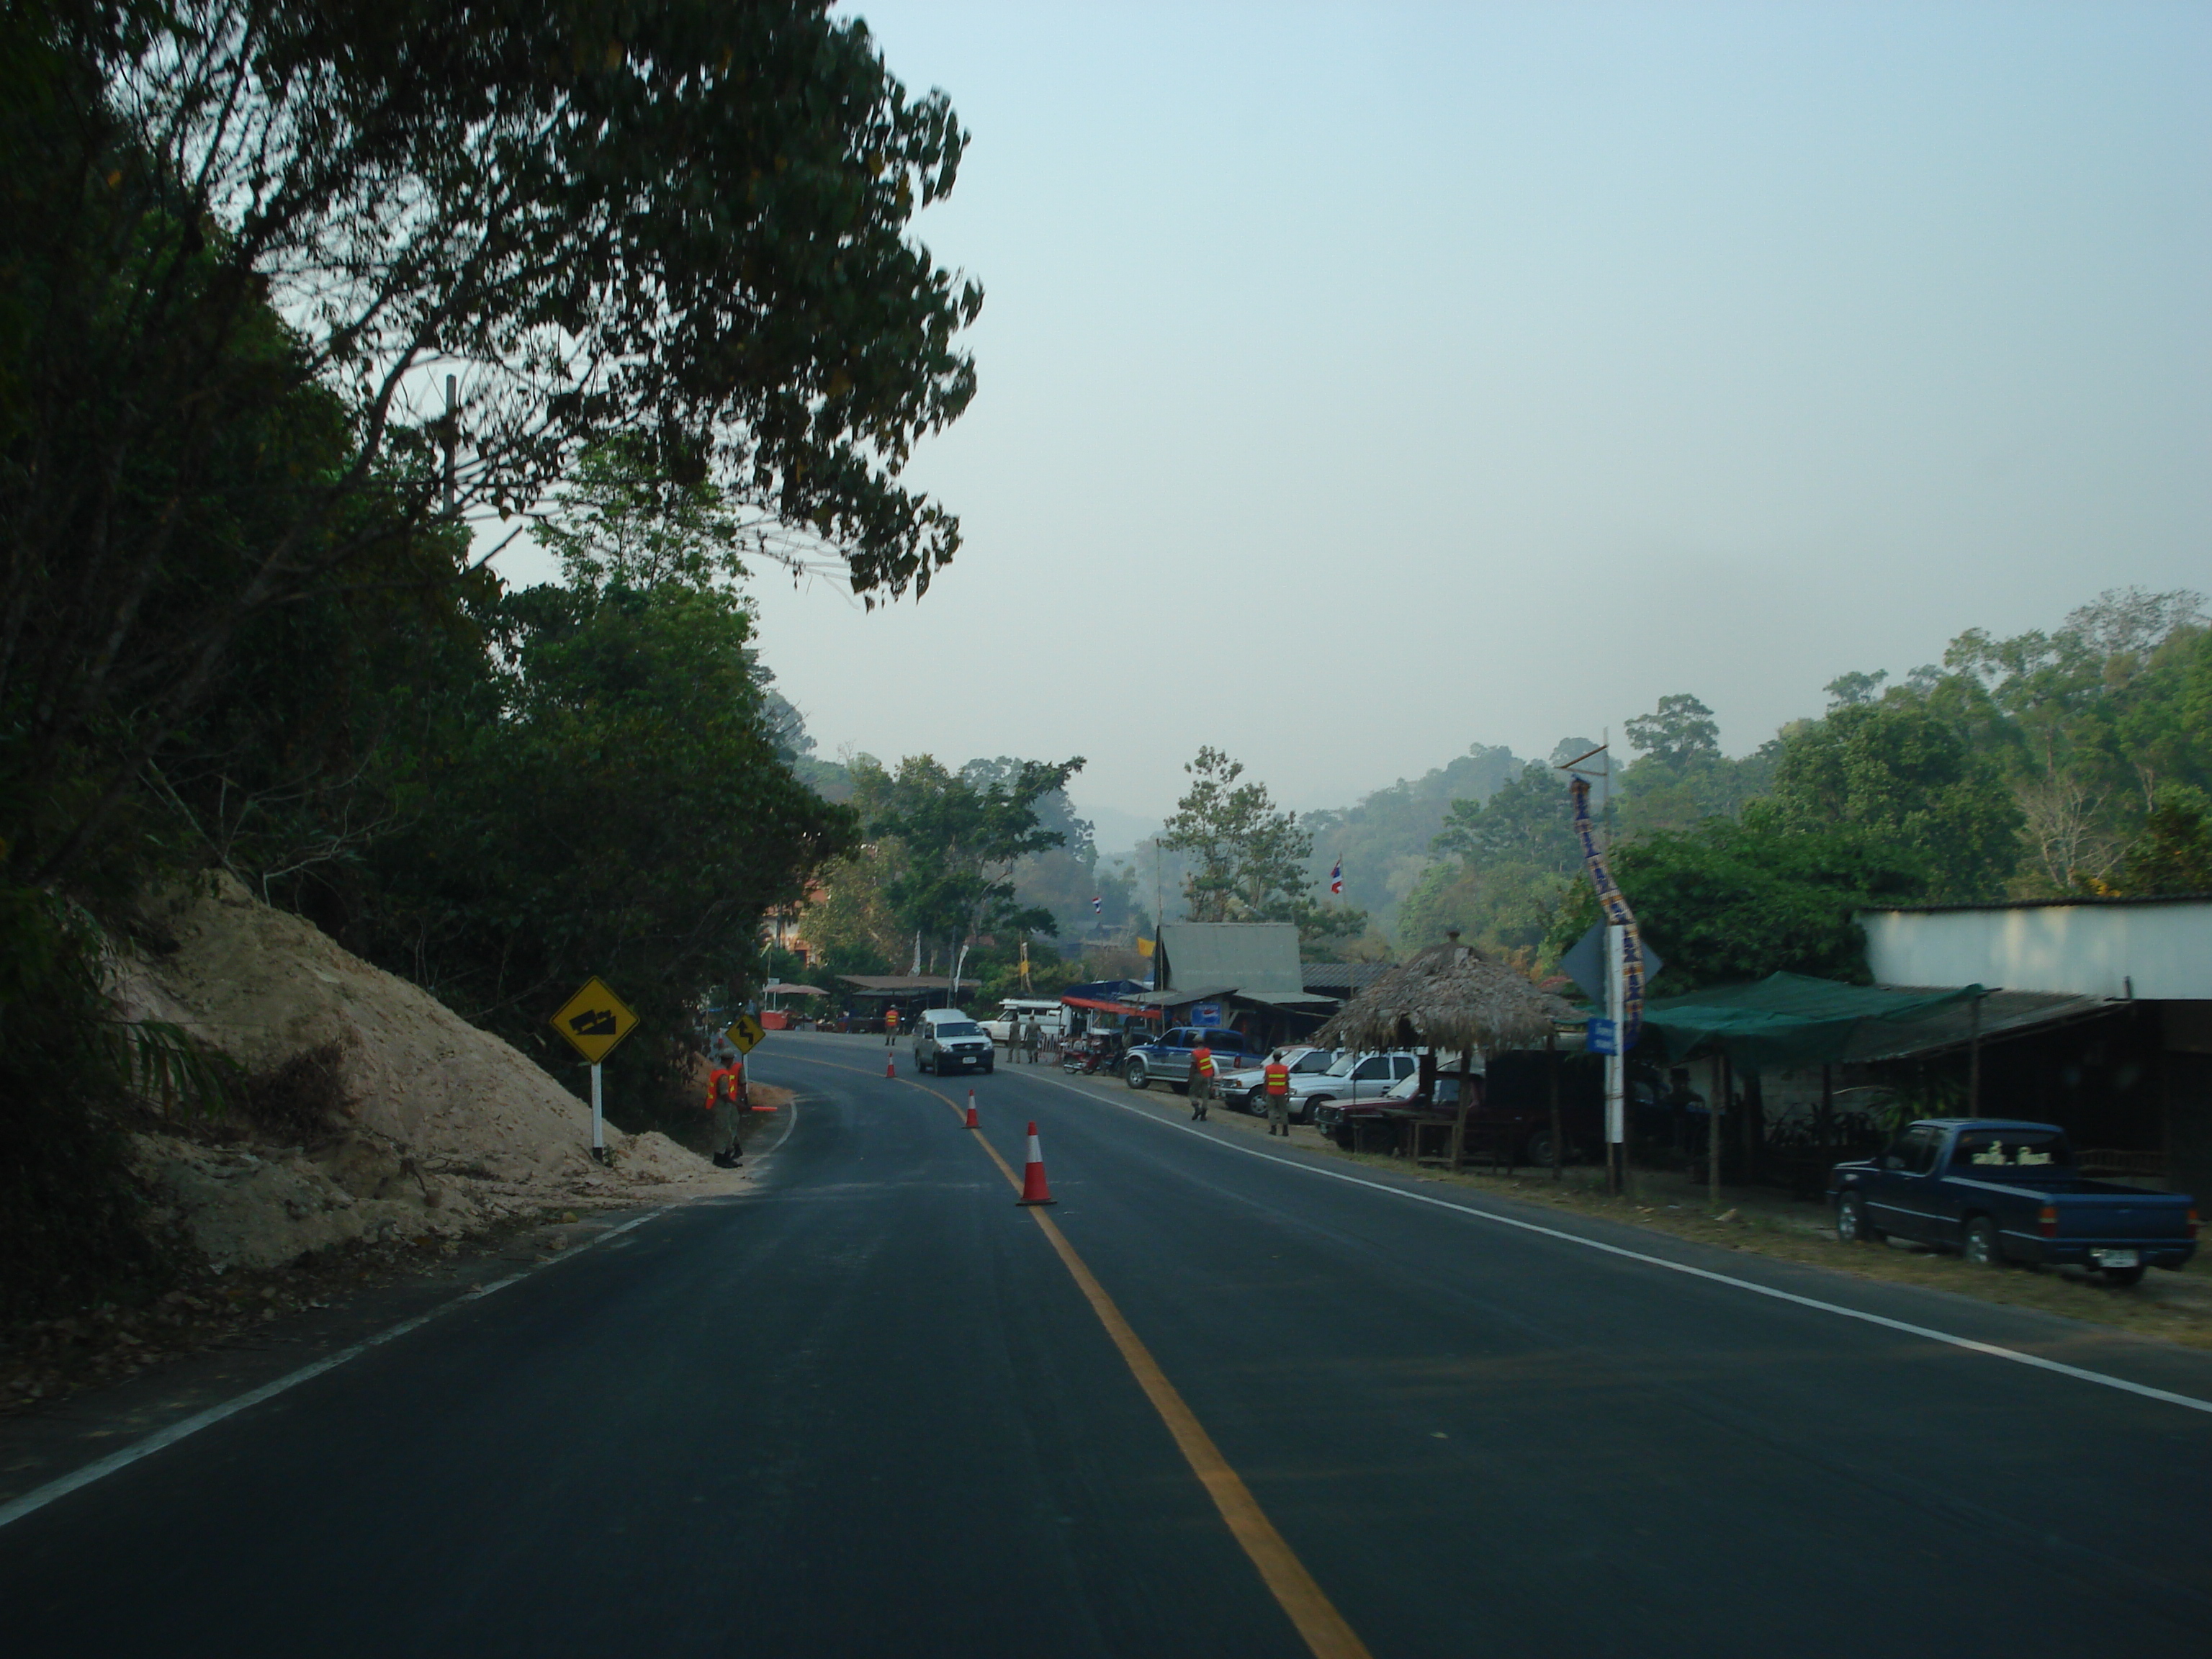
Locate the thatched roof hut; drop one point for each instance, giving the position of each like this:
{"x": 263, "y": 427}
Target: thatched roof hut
{"x": 1449, "y": 998}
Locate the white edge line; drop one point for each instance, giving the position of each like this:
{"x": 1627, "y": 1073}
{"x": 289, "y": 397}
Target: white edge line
{"x": 1966, "y": 1342}
{"x": 40, "y": 1496}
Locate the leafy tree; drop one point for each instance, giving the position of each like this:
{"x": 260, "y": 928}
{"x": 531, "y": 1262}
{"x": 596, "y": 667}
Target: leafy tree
{"x": 1680, "y": 732}
{"x": 681, "y": 221}
{"x": 958, "y": 837}
{"x": 1249, "y": 860}
{"x": 2173, "y": 854}
{"x": 1680, "y": 775}
{"x": 1734, "y": 900}
{"x": 1896, "y": 773}
{"x": 610, "y": 802}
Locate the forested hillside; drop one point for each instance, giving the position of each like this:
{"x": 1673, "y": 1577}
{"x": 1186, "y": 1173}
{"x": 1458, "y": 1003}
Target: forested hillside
{"x": 2074, "y": 761}
{"x": 304, "y": 314}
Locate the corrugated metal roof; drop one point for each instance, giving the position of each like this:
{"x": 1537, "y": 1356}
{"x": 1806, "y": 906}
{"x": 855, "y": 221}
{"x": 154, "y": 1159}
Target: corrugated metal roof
{"x": 1342, "y": 976}
{"x": 1245, "y": 955}
{"x": 2004, "y": 1014}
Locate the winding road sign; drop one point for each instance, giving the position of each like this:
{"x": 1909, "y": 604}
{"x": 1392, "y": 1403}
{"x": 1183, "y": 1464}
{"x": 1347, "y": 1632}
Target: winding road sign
{"x": 744, "y": 1031}
{"x": 594, "y": 1020}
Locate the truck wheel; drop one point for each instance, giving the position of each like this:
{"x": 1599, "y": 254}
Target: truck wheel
{"x": 1538, "y": 1153}
{"x": 1851, "y": 1224}
{"x": 1135, "y": 1075}
{"x": 2122, "y": 1276}
{"x": 1984, "y": 1249}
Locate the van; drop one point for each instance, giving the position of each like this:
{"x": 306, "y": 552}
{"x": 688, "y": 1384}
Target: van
{"x": 946, "y": 1040}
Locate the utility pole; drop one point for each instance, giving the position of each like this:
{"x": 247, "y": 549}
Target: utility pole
{"x": 452, "y": 432}
{"x": 1616, "y": 1063}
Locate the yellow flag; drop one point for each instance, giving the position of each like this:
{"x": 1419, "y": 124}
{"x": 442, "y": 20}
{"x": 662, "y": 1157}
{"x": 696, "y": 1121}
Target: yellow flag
{"x": 1143, "y": 947}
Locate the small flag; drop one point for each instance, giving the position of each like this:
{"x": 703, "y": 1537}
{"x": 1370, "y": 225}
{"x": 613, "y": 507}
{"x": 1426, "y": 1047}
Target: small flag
{"x": 1336, "y": 877}
{"x": 1098, "y": 904}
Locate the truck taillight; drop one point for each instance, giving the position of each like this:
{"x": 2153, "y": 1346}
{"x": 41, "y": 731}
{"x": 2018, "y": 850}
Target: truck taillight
{"x": 2046, "y": 1221}
{"x": 2194, "y": 1224}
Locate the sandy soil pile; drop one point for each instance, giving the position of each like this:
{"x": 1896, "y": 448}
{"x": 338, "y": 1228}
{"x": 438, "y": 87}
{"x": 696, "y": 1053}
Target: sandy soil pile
{"x": 444, "y": 1127}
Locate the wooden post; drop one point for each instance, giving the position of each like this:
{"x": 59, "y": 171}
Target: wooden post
{"x": 1827, "y": 1107}
{"x": 1459, "y": 1116}
{"x": 1725, "y": 1074}
{"x": 1559, "y": 1152}
{"x": 1974, "y": 1060}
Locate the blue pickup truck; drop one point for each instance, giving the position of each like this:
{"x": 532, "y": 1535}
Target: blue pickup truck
{"x": 1997, "y": 1191}
{"x": 1166, "y": 1058}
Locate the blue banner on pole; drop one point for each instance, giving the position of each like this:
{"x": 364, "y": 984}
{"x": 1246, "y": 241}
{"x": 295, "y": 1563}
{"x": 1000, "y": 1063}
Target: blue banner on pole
{"x": 1600, "y": 1038}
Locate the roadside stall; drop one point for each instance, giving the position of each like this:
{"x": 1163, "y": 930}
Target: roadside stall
{"x": 1100, "y": 1030}
{"x": 1450, "y": 1000}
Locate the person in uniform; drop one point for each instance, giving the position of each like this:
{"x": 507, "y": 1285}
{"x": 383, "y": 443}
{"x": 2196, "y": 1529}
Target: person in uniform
{"x": 1033, "y": 1038}
{"x": 726, "y": 1099}
{"x": 891, "y": 1024}
{"x": 1279, "y": 1095}
{"x": 1201, "y": 1081}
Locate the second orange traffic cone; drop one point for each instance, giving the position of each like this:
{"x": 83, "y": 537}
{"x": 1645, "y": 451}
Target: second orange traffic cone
{"x": 889, "y": 1070}
{"x": 1034, "y": 1191}
{"x": 971, "y": 1123}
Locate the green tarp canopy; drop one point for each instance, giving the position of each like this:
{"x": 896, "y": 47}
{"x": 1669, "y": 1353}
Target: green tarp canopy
{"x": 1783, "y": 1020}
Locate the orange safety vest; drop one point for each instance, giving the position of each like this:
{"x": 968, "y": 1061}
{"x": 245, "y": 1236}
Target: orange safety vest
{"x": 727, "y": 1084}
{"x": 1202, "y": 1059}
{"x": 1279, "y": 1078}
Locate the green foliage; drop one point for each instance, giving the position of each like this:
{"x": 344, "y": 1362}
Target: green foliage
{"x": 608, "y": 802}
{"x": 2173, "y": 853}
{"x": 1383, "y": 839}
{"x": 1250, "y": 861}
{"x": 240, "y": 243}
{"x": 1900, "y": 777}
{"x": 1737, "y": 899}
{"x": 947, "y": 842}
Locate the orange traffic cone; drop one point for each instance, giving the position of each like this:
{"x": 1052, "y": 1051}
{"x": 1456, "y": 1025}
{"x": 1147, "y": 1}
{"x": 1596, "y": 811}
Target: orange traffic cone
{"x": 1034, "y": 1191}
{"x": 972, "y": 1124}
{"x": 890, "y": 1069}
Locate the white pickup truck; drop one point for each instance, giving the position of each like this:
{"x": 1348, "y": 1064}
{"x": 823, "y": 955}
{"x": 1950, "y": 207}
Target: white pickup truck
{"x": 1051, "y": 1018}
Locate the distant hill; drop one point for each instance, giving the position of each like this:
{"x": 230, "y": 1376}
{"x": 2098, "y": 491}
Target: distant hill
{"x": 1383, "y": 839}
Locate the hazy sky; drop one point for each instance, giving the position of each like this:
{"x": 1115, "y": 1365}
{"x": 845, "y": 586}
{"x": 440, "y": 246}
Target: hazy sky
{"x": 1359, "y": 382}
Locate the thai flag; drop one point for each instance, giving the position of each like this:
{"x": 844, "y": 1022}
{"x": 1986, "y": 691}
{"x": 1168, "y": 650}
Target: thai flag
{"x": 1098, "y": 904}
{"x": 1336, "y": 877}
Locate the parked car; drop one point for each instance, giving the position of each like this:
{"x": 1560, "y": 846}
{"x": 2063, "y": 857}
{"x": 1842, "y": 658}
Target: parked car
{"x": 1997, "y": 1191}
{"x": 1513, "y": 1102}
{"x": 946, "y": 1040}
{"x": 1320, "y": 1097}
{"x": 1247, "y": 1088}
{"x": 1166, "y": 1058}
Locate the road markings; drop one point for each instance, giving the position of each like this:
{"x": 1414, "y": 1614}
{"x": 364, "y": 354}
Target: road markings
{"x": 40, "y": 1496}
{"x": 1316, "y": 1619}
{"x": 2036, "y": 1361}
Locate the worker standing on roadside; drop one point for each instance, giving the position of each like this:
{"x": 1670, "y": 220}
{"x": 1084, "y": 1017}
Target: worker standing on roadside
{"x": 726, "y": 1099}
{"x": 1279, "y": 1095}
{"x": 891, "y": 1024}
{"x": 1033, "y": 1038}
{"x": 1201, "y": 1081}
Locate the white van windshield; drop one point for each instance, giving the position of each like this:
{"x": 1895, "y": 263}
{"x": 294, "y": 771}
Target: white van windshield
{"x": 945, "y": 1028}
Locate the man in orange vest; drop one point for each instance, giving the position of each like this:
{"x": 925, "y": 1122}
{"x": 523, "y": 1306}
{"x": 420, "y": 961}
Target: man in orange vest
{"x": 1201, "y": 1081}
{"x": 726, "y": 1099}
{"x": 1279, "y": 1095}
{"x": 891, "y": 1024}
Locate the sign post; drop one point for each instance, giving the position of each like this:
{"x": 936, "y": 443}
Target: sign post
{"x": 594, "y": 1020}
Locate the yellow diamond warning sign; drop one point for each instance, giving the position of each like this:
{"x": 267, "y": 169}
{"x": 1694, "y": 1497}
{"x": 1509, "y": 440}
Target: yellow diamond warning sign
{"x": 594, "y": 1020}
{"x": 744, "y": 1031}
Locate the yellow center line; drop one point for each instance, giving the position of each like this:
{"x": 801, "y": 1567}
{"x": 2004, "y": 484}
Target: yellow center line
{"x": 1316, "y": 1617}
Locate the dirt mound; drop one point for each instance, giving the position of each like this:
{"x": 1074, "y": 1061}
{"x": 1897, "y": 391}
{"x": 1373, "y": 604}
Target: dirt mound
{"x": 411, "y": 1121}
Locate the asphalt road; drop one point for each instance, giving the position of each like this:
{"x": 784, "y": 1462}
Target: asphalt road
{"x": 868, "y": 1409}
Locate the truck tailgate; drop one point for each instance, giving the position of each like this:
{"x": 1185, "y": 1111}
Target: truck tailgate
{"x": 2129, "y": 1217}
